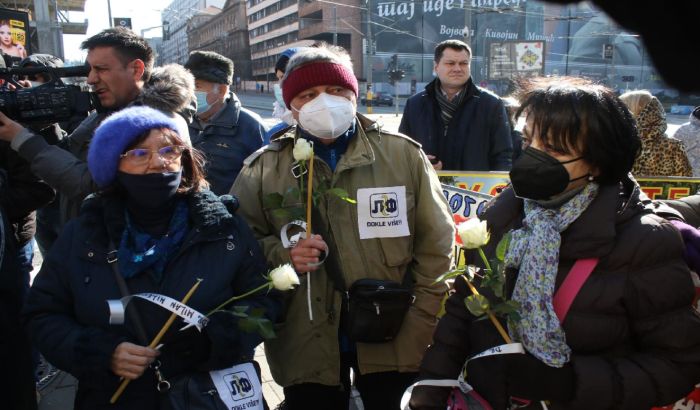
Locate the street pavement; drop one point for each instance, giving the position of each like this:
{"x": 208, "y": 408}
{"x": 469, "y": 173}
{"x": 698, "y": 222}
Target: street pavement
{"x": 59, "y": 393}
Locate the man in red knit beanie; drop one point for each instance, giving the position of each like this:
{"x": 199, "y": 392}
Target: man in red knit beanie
{"x": 398, "y": 235}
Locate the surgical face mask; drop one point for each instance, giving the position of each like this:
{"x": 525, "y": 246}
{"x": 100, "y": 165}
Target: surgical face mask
{"x": 278, "y": 94}
{"x": 202, "y": 103}
{"x": 327, "y": 116}
{"x": 35, "y": 83}
{"x": 537, "y": 175}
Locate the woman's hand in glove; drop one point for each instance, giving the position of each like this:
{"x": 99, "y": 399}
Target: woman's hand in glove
{"x": 429, "y": 398}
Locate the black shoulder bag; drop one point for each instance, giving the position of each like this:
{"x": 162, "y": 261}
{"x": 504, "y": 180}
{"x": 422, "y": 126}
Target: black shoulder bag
{"x": 373, "y": 309}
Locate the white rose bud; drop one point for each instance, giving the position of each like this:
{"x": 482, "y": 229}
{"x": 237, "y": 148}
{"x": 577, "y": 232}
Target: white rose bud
{"x": 302, "y": 150}
{"x": 473, "y": 233}
{"x": 284, "y": 277}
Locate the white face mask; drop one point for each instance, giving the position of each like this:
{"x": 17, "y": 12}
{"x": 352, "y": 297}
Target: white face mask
{"x": 327, "y": 116}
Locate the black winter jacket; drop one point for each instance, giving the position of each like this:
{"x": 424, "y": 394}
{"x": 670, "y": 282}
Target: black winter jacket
{"x": 67, "y": 314}
{"x": 21, "y": 193}
{"x": 478, "y": 137}
{"x": 226, "y": 140}
{"x": 634, "y": 337}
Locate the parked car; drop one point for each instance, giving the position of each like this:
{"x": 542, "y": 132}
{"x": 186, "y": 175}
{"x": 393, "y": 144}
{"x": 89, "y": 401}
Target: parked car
{"x": 379, "y": 98}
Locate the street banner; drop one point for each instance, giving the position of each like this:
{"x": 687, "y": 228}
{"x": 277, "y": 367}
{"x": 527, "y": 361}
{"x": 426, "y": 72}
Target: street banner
{"x": 14, "y": 38}
{"x": 463, "y": 202}
{"x": 492, "y": 183}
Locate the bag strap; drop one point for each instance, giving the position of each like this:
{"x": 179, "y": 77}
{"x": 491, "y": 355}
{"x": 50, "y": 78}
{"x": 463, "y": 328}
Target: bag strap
{"x": 333, "y": 266}
{"x": 565, "y": 295}
{"x": 124, "y": 290}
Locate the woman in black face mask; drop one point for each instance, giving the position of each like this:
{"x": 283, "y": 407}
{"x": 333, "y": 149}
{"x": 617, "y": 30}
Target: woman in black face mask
{"x": 153, "y": 228}
{"x": 630, "y": 338}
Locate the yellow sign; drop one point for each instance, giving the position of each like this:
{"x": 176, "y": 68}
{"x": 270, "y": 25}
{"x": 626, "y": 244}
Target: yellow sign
{"x": 491, "y": 183}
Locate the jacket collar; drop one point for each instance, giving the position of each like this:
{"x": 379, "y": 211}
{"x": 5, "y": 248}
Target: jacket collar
{"x": 208, "y": 213}
{"x": 471, "y": 89}
{"x": 359, "y": 151}
{"x": 593, "y": 233}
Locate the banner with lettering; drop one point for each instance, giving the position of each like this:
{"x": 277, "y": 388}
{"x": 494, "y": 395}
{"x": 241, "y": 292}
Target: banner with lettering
{"x": 491, "y": 183}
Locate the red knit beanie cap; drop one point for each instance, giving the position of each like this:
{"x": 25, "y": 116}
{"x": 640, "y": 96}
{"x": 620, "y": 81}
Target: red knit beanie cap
{"x": 314, "y": 74}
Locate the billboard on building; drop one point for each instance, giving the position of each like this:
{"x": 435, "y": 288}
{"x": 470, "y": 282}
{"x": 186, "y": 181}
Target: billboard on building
{"x": 574, "y": 37}
{"x": 511, "y": 59}
{"x": 14, "y": 29}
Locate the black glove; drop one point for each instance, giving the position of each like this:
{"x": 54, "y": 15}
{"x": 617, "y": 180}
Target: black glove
{"x": 429, "y": 398}
{"x": 529, "y": 378}
{"x": 487, "y": 375}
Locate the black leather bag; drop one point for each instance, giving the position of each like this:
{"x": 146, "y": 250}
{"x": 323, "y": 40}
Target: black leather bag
{"x": 375, "y": 310}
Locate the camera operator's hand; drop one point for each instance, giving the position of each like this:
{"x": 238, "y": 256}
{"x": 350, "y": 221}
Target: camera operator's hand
{"x": 9, "y": 129}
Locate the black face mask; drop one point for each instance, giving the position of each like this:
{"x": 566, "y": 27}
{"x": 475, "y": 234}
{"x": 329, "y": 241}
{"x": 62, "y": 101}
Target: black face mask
{"x": 150, "y": 190}
{"x": 537, "y": 175}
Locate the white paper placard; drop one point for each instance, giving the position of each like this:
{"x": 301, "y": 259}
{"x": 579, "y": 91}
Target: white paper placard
{"x": 381, "y": 212}
{"x": 239, "y": 387}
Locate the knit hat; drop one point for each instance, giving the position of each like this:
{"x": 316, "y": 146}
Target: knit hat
{"x": 116, "y": 134}
{"x": 281, "y": 64}
{"x": 314, "y": 74}
{"x": 210, "y": 66}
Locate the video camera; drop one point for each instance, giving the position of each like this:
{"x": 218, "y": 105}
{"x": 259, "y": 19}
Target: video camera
{"x": 53, "y": 101}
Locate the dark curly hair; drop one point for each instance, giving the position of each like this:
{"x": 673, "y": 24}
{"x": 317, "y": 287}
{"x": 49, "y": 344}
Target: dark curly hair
{"x": 574, "y": 114}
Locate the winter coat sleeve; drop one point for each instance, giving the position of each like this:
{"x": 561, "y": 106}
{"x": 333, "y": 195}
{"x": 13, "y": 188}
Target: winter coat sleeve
{"x": 405, "y": 126}
{"x": 251, "y": 276}
{"x": 83, "y": 351}
{"x": 500, "y": 142}
{"x": 22, "y": 191}
{"x": 248, "y": 187}
{"x": 59, "y": 167}
{"x": 664, "y": 364}
{"x": 682, "y": 163}
{"x": 433, "y": 241}
{"x": 689, "y": 207}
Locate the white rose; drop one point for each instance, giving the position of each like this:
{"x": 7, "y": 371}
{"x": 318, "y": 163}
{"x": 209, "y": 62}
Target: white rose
{"x": 302, "y": 150}
{"x": 284, "y": 277}
{"x": 473, "y": 233}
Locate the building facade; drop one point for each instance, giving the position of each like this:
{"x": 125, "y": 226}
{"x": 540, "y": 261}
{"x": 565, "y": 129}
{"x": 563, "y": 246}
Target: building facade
{"x": 225, "y": 33}
{"x": 176, "y": 18}
{"x": 273, "y": 26}
{"x": 338, "y": 22}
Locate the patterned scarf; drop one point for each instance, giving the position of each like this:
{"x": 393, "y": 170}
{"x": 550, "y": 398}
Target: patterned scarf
{"x": 447, "y": 107}
{"x": 139, "y": 251}
{"x": 534, "y": 250}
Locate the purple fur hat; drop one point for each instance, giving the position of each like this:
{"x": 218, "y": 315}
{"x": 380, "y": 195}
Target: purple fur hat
{"x": 116, "y": 134}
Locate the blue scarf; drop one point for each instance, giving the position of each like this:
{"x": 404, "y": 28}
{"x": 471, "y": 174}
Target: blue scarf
{"x": 534, "y": 250}
{"x": 139, "y": 251}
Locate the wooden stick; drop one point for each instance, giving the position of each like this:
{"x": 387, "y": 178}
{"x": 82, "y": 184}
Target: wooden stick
{"x": 309, "y": 197}
{"x": 156, "y": 340}
{"x": 495, "y": 321}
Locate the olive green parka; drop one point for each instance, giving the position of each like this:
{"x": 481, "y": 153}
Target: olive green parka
{"x": 307, "y": 351}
